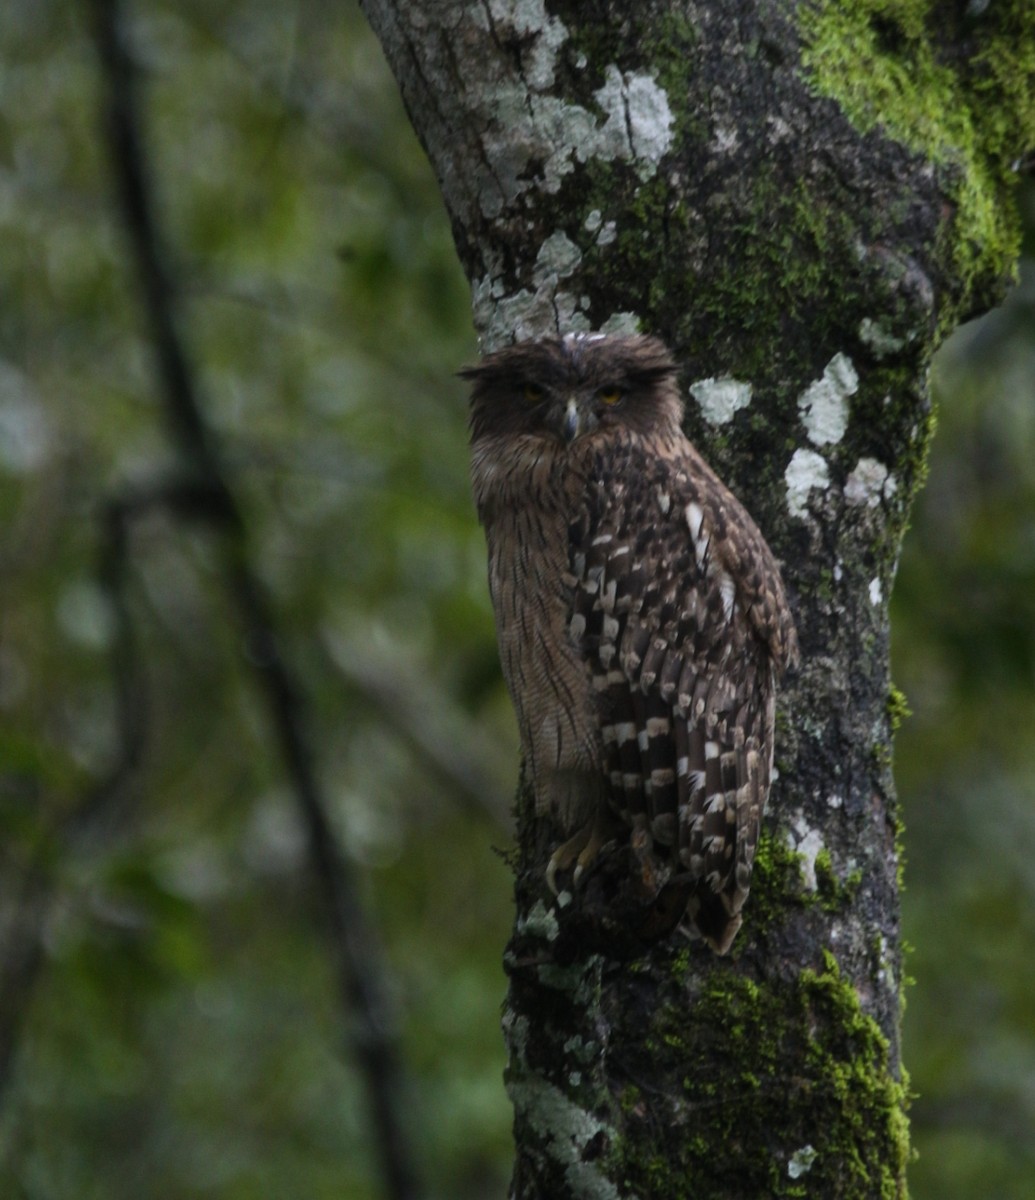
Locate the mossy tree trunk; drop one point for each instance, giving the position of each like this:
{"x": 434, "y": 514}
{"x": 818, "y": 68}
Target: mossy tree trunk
{"x": 802, "y": 200}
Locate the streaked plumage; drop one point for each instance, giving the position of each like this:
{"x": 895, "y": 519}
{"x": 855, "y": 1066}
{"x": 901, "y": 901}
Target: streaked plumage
{"x": 640, "y": 614}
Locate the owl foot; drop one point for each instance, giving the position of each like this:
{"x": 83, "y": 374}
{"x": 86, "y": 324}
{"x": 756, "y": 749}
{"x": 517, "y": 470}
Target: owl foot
{"x": 582, "y": 848}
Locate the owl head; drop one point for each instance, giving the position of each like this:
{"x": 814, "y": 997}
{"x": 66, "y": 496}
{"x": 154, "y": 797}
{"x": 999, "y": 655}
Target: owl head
{"x": 574, "y": 387}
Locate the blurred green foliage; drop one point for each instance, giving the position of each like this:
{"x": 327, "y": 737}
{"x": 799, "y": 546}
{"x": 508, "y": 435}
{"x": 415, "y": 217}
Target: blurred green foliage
{"x": 184, "y": 1037}
{"x": 963, "y": 650}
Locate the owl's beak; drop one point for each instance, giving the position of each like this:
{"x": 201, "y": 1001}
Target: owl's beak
{"x": 572, "y": 420}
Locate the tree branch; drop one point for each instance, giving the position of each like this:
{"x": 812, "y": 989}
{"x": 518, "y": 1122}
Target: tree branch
{"x": 206, "y": 493}
{"x": 740, "y": 179}
{"x": 454, "y": 746}
{"x": 22, "y": 957}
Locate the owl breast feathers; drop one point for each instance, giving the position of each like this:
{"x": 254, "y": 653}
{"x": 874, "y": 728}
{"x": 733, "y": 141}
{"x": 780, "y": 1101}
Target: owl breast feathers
{"x": 641, "y": 618}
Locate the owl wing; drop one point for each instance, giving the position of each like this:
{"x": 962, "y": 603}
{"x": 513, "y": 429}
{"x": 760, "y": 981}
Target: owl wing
{"x": 679, "y": 611}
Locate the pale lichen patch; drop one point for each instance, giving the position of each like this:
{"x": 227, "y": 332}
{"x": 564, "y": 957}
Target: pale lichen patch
{"x": 584, "y": 1051}
{"x": 639, "y": 121}
{"x": 579, "y": 979}
{"x": 881, "y": 343}
{"x": 567, "y": 314}
{"x": 725, "y": 140}
{"x": 515, "y": 1031}
{"x": 800, "y": 1162}
{"x": 542, "y": 34}
{"x": 869, "y": 483}
{"x": 528, "y": 126}
{"x": 527, "y": 313}
{"x": 807, "y": 844}
{"x": 824, "y": 403}
{"x": 540, "y": 922}
{"x": 621, "y": 322}
{"x": 719, "y": 399}
{"x": 509, "y": 318}
{"x": 876, "y": 592}
{"x": 885, "y": 968}
{"x": 637, "y": 126}
{"x": 558, "y": 257}
{"x": 531, "y": 140}
{"x": 564, "y": 1131}
{"x": 805, "y": 471}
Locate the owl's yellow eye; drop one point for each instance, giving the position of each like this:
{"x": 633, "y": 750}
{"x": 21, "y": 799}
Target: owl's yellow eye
{"x": 609, "y": 395}
{"x": 533, "y": 393}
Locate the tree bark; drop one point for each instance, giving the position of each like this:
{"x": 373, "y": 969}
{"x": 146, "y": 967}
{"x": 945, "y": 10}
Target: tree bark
{"x": 802, "y": 200}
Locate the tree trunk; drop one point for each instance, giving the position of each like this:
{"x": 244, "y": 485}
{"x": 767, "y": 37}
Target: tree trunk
{"x": 802, "y": 200}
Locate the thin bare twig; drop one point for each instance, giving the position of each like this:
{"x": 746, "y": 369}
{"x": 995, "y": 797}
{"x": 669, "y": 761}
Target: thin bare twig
{"x": 22, "y": 957}
{"x": 358, "y": 961}
{"x": 22, "y": 961}
{"x": 453, "y": 745}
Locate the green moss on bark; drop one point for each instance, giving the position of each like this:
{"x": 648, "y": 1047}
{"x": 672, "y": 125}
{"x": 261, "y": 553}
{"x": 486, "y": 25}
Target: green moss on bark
{"x": 763, "y": 285}
{"x": 898, "y": 707}
{"x": 971, "y": 117}
{"x": 834, "y": 893}
{"x": 835, "y": 1127}
{"x": 776, "y": 884}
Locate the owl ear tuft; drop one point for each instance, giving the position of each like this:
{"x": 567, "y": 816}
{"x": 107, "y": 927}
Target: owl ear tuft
{"x": 484, "y": 377}
{"x": 497, "y": 363}
{"x": 647, "y": 375}
{"x": 518, "y": 361}
{"x": 649, "y": 360}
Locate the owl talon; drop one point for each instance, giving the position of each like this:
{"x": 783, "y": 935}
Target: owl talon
{"x": 551, "y": 873}
{"x": 582, "y": 848}
{"x": 565, "y": 854}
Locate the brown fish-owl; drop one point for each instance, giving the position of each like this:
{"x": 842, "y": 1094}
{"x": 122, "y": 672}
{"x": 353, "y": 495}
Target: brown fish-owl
{"x": 641, "y": 617}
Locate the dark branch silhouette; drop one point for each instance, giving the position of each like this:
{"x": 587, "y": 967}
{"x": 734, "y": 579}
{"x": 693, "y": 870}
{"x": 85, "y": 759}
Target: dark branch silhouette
{"x": 204, "y": 492}
{"x": 21, "y": 946}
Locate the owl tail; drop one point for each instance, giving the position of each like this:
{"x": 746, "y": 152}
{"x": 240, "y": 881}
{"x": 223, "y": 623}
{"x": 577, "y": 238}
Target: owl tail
{"x": 709, "y": 914}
